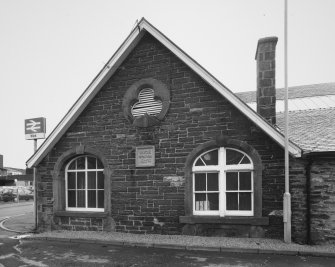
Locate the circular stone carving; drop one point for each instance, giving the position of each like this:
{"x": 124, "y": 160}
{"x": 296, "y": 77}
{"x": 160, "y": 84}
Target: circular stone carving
{"x": 131, "y": 97}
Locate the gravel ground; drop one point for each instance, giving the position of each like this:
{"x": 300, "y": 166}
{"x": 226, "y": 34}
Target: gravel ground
{"x": 193, "y": 241}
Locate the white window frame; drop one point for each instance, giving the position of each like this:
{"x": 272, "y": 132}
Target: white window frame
{"x": 86, "y": 170}
{"x": 222, "y": 170}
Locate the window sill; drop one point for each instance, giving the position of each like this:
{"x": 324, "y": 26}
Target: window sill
{"x": 89, "y": 214}
{"x": 224, "y": 220}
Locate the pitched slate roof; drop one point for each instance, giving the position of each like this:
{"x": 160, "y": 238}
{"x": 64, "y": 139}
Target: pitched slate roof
{"x": 313, "y": 130}
{"x": 116, "y": 60}
{"x": 311, "y": 116}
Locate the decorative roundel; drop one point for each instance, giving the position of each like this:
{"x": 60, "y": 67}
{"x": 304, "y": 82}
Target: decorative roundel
{"x": 146, "y": 102}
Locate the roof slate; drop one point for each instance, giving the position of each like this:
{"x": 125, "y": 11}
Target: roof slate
{"x": 312, "y": 130}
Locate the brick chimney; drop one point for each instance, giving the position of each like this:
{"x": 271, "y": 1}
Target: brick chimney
{"x": 266, "y": 78}
{"x": 1, "y": 161}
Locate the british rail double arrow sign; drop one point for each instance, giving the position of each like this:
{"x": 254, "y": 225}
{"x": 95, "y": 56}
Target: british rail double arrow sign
{"x": 35, "y": 128}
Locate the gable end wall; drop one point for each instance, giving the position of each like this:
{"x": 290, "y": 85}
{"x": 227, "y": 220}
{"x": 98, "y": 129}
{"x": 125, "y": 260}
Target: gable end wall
{"x": 150, "y": 200}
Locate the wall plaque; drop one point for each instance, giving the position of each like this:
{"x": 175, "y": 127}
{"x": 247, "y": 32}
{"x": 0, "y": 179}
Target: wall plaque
{"x": 145, "y": 156}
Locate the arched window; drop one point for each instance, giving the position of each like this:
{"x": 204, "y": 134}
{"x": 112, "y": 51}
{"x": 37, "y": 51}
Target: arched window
{"x": 84, "y": 184}
{"x": 223, "y": 183}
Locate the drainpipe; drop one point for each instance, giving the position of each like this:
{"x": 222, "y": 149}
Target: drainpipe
{"x": 308, "y": 199}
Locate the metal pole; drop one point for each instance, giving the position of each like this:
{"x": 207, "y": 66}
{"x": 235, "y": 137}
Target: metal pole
{"x": 287, "y": 195}
{"x": 35, "y": 188}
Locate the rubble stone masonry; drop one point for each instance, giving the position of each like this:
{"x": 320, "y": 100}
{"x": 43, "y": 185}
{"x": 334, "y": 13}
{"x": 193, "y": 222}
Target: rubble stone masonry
{"x": 150, "y": 200}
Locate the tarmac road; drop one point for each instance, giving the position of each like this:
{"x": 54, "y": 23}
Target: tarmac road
{"x": 44, "y": 253}
{"x": 12, "y": 208}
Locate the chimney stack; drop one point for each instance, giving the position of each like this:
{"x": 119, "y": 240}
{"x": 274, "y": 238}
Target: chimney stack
{"x": 266, "y": 78}
{"x": 1, "y": 161}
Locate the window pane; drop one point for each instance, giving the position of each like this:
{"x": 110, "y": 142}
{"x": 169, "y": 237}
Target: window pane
{"x": 199, "y": 162}
{"x": 232, "y": 201}
{"x": 99, "y": 165}
{"x": 81, "y": 163}
{"x": 71, "y": 180}
{"x": 212, "y": 182}
{"x": 245, "y": 201}
{"x": 245, "y": 180}
{"x": 72, "y": 165}
{"x": 233, "y": 157}
{"x": 231, "y": 181}
{"x": 211, "y": 158}
{"x": 71, "y": 198}
{"x": 213, "y": 201}
{"x": 92, "y": 199}
{"x": 101, "y": 183}
{"x": 81, "y": 198}
{"x": 91, "y": 180}
{"x": 91, "y": 163}
{"x": 80, "y": 180}
{"x": 100, "y": 198}
{"x": 200, "y": 202}
{"x": 200, "y": 181}
{"x": 245, "y": 160}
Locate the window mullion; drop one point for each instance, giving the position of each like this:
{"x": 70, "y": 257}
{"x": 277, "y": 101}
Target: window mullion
{"x": 193, "y": 190}
{"x": 66, "y": 190}
{"x": 222, "y": 184}
{"x": 96, "y": 189}
{"x": 76, "y": 191}
{"x": 252, "y": 192}
{"x": 86, "y": 194}
{"x": 238, "y": 190}
{"x": 206, "y": 193}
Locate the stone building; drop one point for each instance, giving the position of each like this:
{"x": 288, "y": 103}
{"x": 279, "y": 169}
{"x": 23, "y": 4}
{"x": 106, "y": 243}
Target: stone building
{"x": 156, "y": 144}
{"x": 312, "y": 127}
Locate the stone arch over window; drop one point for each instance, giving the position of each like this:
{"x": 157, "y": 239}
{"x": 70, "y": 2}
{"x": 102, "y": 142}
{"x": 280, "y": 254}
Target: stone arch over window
{"x": 146, "y": 102}
{"x": 223, "y": 143}
{"x": 59, "y": 177}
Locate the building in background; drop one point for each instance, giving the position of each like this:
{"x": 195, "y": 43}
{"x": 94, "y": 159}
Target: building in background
{"x": 3, "y": 171}
{"x": 14, "y": 176}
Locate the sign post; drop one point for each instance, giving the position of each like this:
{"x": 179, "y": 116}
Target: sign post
{"x": 35, "y": 129}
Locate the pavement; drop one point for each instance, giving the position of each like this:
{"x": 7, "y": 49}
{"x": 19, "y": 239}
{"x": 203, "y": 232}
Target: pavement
{"x": 24, "y": 225}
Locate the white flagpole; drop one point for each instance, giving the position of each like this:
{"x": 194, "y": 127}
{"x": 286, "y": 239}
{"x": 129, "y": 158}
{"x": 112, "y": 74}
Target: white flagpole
{"x": 287, "y": 195}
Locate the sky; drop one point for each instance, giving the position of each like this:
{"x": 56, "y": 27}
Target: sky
{"x": 51, "y": 50}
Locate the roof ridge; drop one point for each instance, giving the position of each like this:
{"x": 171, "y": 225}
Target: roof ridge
{"x": 290, "y": 87}
{"x": 303, "y": 85}
{"x": 312, "y": 109}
